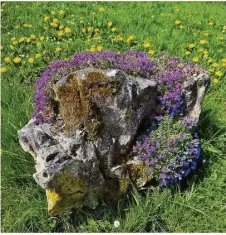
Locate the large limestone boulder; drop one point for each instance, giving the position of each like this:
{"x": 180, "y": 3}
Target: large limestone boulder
{"x": 85, "y": 155}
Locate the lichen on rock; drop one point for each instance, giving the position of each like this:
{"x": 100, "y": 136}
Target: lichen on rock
{"x": 64, "y": 190}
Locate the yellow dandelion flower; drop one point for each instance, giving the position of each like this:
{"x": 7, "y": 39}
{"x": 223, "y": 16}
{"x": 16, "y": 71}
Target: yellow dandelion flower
{"x": 7, "y": 60}
{"x": 211, "y": 70}
{"x": 92, "y": 49}
{"x": 215, "y": 65}
{"x": 97, "y": 30}
{"x": 206, "y": 34}
{"x": 3, "y": 69}
{"x": 84, "y": 30}
{"x": 55, "y": 21}
{"x": 38, "y": 44}
{"x": 37, "y": 56}
{"x": 60, "y": 33}
{"x": 29, "y": 25}
{"x": 67, "y": 30}
{"x": 195, "y": 59}
{"x": 42, "y": 38}
{"x": 33, "y": 36}
{"x": 101, "y": 9}
{"x": 11, "y": 47}
{"x": 53, "y": 12}
{"x": 31, "y": 60}
{"x": 28, "y": 40}
{"x": 54, "y": 25}
{"x": 223, "y": 64}
{"x": 151, "y": 52}
{"x": 22, "y": 39}
{"x": 25, "y": 25}
{"x": 90, "y": 29}
{"x": 61, "y": 26}
{"x": 109, "y": 24}
{"x": 219, "y": 73}
{"x": 99, "y": 48}
{"x": 46, "y": 18}
{"x": 203, "y": 41}
{"x": 15, "y": 43}
{"x": 130, "y": 38}
{"x": 13, "y": 39}
{"x": 223, "y": 60}
{"x": 119, "y": 38}
{"x": 205, "y": 52}
{"x": 147, "y": 44}
{"x": 61, "y": 12}
{"x": 215, "y": 81}
{"x": 113, "y": 29}
{"x": 224, "y": 27}
{"x": 192, "y": 45}
{"x": 187, "y": 52}
{"x": 210, "y": 23}
{"x": 177, "y": 22}
{"x": 58, "y": 49}
{"x": 17, "y": 60}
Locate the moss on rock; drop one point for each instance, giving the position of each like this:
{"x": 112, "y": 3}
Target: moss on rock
{"x": 75, "y": 100}
{"x": 138, "y": 173}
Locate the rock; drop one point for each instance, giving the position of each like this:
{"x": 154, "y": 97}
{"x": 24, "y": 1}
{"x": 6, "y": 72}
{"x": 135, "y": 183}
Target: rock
{"x": 102, "y": 112}
{"x": 194, "y": 90}
{"x": 85, "y": 155}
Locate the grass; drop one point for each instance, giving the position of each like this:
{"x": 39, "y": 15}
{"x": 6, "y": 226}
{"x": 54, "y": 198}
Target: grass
{"x": 201, "y": 205}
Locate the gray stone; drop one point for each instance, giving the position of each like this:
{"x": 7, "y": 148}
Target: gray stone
{"x": 194, "y": 90}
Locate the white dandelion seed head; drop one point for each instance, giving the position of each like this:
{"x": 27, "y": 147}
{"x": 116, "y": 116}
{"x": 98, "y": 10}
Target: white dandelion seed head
{"x": 116, "y": 224}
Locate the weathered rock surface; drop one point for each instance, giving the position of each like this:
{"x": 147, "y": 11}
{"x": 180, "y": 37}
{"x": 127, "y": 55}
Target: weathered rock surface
{"x": 84, "y": 156}
{"x": 194, "y": 90}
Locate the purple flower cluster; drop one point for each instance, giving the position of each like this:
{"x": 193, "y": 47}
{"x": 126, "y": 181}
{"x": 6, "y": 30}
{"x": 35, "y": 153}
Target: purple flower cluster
{"x": 170, "y": 76}
{"x": 167, "y": 72}
{"x": 132, "y": 62}
{"x": 171, "y": 151}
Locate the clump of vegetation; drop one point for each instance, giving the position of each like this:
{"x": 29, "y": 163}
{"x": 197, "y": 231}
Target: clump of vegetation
{"x": 169, "y": 73}
{"x": 170, "y": 150}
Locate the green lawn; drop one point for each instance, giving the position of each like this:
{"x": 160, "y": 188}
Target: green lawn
{"x": 41, "y": 32}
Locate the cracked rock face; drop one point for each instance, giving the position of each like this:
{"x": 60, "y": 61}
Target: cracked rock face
{"x": 83, "y": 156}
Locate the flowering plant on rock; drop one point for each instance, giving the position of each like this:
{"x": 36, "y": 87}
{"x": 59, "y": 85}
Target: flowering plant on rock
{"x": 171, "y": 150}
